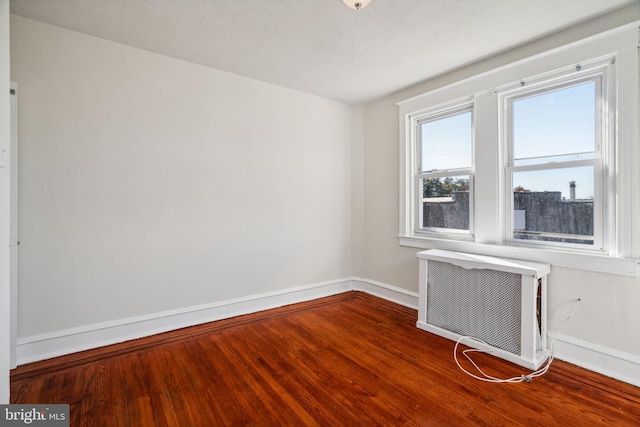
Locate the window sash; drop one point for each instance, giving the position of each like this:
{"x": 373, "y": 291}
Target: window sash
{"x": 562, "y": 81}
{"x": 437, "y": 114}
{"x": 435, "y": 118}
{"x": 546, "y": 88}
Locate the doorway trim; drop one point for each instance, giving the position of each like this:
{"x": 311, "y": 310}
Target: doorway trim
{"x": 13, "y": 236}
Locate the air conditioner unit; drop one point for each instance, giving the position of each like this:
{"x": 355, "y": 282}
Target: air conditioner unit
{"x": 499, "y": 301}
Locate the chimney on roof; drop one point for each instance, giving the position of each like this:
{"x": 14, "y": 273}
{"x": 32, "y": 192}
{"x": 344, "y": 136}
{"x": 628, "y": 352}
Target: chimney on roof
{"x": 572, "y": 190}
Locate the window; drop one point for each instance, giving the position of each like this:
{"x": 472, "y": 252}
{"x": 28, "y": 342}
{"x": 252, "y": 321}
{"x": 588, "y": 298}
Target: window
{"x": 444, "y": 176}
{"x": 536, "y": 160}
{"x": 554, "y": 146}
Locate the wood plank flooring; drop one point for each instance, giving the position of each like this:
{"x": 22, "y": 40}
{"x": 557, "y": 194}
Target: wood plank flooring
{"x": 347, "y": 360}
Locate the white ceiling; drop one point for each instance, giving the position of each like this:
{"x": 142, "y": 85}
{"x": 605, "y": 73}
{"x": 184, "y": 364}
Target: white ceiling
{"x": 321, "y": 46}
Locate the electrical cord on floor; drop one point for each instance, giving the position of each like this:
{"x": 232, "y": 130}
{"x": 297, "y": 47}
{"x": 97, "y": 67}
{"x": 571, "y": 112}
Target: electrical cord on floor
{"x": 522, "y": 378}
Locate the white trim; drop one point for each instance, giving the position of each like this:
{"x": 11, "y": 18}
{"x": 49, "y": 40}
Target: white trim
{"x": 606, "y": 361}
{"x": 58, "y": 343}
{"x": 13, "y": 238}
{"x": 45, "y": 346}
{"x": 597, "y": 72}
{"x": 490, "y": 238}
{"x": 598, "y": 43}
{"x": 387, "y": 292}
{"x": 627, "y": 267}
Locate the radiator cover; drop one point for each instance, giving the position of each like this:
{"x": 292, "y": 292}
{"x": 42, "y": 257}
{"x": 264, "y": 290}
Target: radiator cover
{"x": 499, "y": 301}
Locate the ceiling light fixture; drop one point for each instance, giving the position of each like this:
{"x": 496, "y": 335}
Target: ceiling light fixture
{"x": 357, "y": 4}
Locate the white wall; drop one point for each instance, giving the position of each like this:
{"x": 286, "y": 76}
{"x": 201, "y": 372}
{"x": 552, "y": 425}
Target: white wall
{"x": 149, "y": 184}
{"x": 5, "y": 141}
{"x": 608, "y": 315}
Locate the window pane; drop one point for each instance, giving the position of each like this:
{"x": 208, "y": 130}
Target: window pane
{"x": 557, "y": 123}
{"x": 446, "y": 142}
{"x": 445, "y": 202}
{"x": 554, "y": 205}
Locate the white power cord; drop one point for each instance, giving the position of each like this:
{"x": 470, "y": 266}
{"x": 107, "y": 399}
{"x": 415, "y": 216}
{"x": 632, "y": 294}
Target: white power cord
{"x": 522, "y": 378}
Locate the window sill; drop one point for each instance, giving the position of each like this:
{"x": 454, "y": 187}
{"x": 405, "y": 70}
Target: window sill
{"x": 580, "y": 261}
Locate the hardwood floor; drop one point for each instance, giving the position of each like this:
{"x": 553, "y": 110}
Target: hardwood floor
{"x": 347, "y": 360}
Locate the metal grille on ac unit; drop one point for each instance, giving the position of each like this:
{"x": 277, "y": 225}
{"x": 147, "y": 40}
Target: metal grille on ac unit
{"x": 499, "y": 301}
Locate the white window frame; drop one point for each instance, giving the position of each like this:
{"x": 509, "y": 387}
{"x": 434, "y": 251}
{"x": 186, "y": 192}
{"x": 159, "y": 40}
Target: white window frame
{"x": 598, "y": 72}
{"x": 440, "y": 112}
{"x": 491, "y": 222}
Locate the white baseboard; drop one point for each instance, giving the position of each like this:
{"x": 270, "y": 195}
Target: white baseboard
{"x": 385, "y": 291}
{"x": 45, "y": 346}
{"x": 604, "y": 360}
